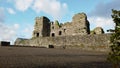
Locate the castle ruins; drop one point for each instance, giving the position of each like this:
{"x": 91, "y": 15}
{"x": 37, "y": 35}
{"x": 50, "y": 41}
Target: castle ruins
{"x": 45, "y": 28}
{"x": 74, "y": 34}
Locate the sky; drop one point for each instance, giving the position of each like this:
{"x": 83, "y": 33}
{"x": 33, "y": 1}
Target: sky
{"x": 17, "y": 17}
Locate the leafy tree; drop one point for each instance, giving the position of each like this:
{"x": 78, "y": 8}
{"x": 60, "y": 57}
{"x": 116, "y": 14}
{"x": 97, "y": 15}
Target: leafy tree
{"x": 114, "y": 55}
{"x": 57, "y": 23}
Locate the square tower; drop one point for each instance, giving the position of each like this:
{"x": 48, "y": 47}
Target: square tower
{"x": 41, "y": 27}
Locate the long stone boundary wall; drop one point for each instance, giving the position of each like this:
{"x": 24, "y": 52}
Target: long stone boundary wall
{"x": 99, "y": 42}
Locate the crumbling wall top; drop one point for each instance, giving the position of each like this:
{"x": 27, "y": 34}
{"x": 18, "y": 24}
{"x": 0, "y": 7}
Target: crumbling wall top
{"x": 79, "y": 16}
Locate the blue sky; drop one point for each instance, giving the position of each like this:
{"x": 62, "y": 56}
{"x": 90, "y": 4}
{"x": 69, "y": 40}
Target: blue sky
{"x": 17, "y": 16}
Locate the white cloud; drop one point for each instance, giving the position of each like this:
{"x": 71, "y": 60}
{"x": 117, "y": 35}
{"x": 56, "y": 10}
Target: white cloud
{"x": 16, "y": 26}
{"x": 101, "y": 14}
{"x": 2, "y": 15}
{"x": 8, "y": 33}
{"x": 23, "y": 5}
{"x": 51, "y": 7}
{"x": 106, "y": 23}
{"x": 11, "y": 11}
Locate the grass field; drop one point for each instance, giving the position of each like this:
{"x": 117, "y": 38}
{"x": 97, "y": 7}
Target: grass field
{"x": 31, "y": 57}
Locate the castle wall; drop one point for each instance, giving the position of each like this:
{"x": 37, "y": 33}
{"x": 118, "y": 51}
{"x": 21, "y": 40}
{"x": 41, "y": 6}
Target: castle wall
{"x": 75, "y": 34}
{"x": 98, "y": 42}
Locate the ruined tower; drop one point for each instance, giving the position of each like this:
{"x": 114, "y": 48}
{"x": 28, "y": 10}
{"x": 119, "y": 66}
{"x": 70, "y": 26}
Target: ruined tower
{"x": 41, "y": 27}
{"x": 81, "y": 24}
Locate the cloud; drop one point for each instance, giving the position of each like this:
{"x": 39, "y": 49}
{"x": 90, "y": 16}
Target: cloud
{"x": 28, "y": 31}
{"x": 23, "y": 5}
{"x": 16, "y": 26}
{"x": 105, "y": 23}
{"x": 11, "y": 11}
{"x": 101, "y": 14}
{"x": 2, "y": 15}
{"x": 51, "y": 7}
{"x": 104, "y": 9}
{"x": 8, "y": 33}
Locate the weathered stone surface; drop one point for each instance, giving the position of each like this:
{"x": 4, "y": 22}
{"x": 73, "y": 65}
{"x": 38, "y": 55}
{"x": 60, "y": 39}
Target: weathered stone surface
{"x": 22, "y": 42}
{"x": 41, "y": 27}
{"x": 98, "y": 30}
{"x": 81, "y": 24}
{"x": 98, "y": 42}
{"x": 79, "y": 16}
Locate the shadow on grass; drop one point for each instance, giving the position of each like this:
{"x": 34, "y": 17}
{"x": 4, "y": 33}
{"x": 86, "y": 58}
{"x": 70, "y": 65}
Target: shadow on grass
{"x": 77, "y": 65}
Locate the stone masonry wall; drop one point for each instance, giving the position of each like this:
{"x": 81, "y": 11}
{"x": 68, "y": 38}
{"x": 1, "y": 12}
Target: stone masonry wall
{"x": 98, "y": 42}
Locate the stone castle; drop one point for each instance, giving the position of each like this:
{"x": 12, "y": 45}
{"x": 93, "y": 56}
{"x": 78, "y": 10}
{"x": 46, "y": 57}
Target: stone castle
{"x": 45, "y": 28}
{"x": 68, "y": 35}
{"x": 79, "y": 26}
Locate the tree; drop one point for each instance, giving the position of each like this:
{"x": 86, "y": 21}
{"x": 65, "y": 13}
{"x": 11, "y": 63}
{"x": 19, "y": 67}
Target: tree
{"x": 114, "y": 54}
{"x": 57, "y": 23}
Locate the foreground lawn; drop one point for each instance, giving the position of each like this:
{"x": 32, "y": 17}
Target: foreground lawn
{"x": 28, "y": 57}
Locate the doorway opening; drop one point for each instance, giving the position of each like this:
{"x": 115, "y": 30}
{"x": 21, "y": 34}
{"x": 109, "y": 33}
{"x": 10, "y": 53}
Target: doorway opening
{"x": 53, "y": 34}
{"x": 50, "y": 46}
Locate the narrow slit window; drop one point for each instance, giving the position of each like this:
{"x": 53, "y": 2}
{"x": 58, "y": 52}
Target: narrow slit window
{"x": 37, "y": 34}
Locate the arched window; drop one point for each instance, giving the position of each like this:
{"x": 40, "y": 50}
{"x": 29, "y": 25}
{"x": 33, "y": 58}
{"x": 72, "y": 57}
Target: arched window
{"x": 52, "y": 27}
{"x": 53, "y": 34}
